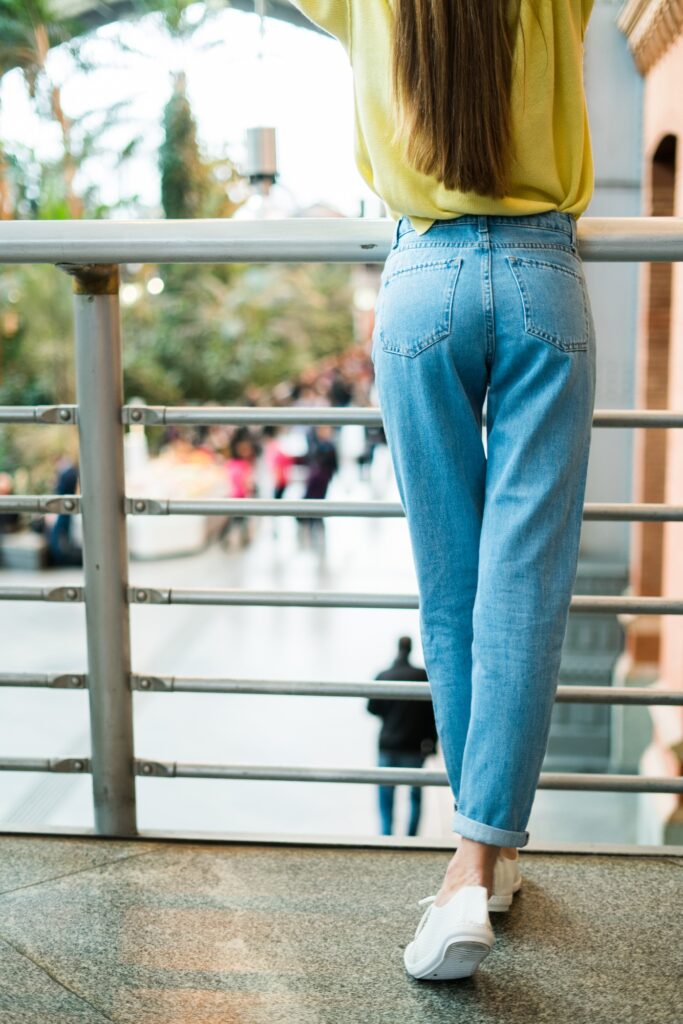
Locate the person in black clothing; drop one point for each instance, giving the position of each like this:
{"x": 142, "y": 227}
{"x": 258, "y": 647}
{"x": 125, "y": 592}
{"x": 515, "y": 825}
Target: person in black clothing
{"x": 408, "y": 735}
{"x": 323, "y": 463}
{"x": 62, "y": 550}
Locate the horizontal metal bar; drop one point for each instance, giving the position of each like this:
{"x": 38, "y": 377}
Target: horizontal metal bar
{"x": 64, "y": 504}
{"x": 64, "y": 681}
{"x": 613, "y": 512}
{"x": 346, "y": 599}
{"x": 270, "y": 598}
{"x": 264, "y": 507}
{"x": 602, "y": 783}
{"x": 387, "y": 689}
{"x": 324, "y": 599}
{"x": 62, "y": 765}
{"x": 398, "y": 776}
{"x": 376, "y": 688}
{"x": 370, "y": 416}
{"x": 71, "y": 505}
{"x": 310, "y": 239}
{"x": 162, "y": 415}
{"x": 64, "y": 414}
{"x": 70, "y": 595}
{"x": 633, "y": 512}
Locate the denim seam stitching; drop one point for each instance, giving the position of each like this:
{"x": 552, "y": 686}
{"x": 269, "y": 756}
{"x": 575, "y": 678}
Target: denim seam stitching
{"x": 487, "y": 297}
{"x": 544, "y": 263}
{"x": 494, "y": 245}
{"x": 518, "y": 227}
{"x": 414, "y": 267}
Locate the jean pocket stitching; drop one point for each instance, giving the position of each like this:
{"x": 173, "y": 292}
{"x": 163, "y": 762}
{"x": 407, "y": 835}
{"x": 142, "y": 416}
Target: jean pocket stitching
{"x": 444, "y": 323}
{"x": 533, "y": 328}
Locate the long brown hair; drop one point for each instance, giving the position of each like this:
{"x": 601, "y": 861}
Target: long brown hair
{"x": 450, "y": 79}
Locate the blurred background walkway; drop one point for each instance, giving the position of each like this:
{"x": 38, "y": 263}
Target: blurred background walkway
{"x": 251, "y": 643}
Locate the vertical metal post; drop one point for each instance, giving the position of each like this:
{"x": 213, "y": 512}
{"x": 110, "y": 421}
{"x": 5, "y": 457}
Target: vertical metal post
{"x": 99, "y": 385}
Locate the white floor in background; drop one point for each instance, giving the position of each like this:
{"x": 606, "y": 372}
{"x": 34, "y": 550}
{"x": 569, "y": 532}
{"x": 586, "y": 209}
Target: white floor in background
{"x": 292, "y": 643}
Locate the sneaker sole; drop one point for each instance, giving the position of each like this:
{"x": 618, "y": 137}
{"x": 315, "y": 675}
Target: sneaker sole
{"x": 459, "y": 959}
{"x": 498, "y": 903}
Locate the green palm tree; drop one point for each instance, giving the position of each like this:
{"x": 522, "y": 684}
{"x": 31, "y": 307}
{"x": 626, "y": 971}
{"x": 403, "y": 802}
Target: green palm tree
{"x": 28, "y": 28}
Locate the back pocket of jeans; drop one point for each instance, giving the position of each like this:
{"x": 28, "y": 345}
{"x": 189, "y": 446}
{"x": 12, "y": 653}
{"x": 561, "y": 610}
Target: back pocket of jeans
{"x": 415, "y": 306}
{"x": 554, "y": 302}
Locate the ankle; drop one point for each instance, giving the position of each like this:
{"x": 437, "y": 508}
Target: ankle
{"x": 453, "y": 882}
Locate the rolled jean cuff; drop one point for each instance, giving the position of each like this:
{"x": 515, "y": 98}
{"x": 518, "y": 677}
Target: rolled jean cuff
{"x": 470, "y": 829}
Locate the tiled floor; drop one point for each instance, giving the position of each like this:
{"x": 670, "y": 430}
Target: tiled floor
{"x": 237, "y": 933}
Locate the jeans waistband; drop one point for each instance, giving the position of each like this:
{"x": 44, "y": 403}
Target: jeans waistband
{"x": 550, "y": 220}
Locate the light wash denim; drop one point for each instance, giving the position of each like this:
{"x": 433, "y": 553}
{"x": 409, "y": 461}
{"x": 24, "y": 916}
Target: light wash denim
{"x": 489, "y": 310}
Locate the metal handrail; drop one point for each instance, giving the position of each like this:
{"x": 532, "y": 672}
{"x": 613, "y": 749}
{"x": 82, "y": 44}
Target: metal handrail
{"x": 304, "y": 240}
{"x": 381, "y": 689}
{"x": 577, "y": 781}
{"x": 90, "y": 252}
{"x": 219, "y": 596}
{"x": 231, "y": 415}
{"x": 310, "y": 507}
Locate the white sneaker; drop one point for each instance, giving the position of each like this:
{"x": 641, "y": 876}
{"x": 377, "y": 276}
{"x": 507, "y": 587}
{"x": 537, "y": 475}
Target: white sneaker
{"x": 451, "y": 940}
{"x": 507, "y": 880}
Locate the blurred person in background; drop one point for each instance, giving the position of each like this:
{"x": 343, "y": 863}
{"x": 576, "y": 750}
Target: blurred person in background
{"x": 62, "y": 550}
{"x": 9, "y": 521}
{"x": 240, "y": 471}
{"x": 408, "y": 735}
{"x": 323, "y": 463}
{"x": 278, "y": 463}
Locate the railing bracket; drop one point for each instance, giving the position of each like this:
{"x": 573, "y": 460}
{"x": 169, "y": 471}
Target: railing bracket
{"x": 147, "y": 595}
{"x": 148, "y": 684}
{"x": 148, "y": 415}
{"x": 69, "y": 595}
{"x": 146, "y": 507}
{"x": 69, "y": 765}
{"x": 66, "y": 414}
{"x": 152, "y": 769}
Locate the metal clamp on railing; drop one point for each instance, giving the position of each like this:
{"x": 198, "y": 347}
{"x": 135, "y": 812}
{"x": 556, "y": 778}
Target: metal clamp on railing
{"x": 62, "y": 414}
{"x": 64, "y": 681}
{"x": 62, "y": 765}
{"x": 68, "y": 595}
{"x": 63, "y": 504}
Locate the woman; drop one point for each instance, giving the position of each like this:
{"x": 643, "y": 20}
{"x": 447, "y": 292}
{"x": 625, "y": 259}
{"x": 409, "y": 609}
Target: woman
{"x": 471, "y": 125}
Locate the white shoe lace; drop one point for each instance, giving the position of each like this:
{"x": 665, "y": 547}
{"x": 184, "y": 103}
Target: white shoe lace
{"x": 421, "y": 923}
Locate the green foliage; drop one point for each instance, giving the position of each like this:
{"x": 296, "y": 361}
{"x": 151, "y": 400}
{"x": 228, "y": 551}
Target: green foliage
{"x": 37, "y": 346}
{"x": 191, "y": 184}
{"x": 208, "y": 339}
{"x": 174, "y": 14}
{"x": 28, "y": 28}
{"x": 184, "y": 179}
{"x": 213, "y": 332}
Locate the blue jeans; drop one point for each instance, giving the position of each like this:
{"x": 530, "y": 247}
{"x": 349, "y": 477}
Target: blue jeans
{"x": 489, "y": 308}
{"x": 399, "y": 759}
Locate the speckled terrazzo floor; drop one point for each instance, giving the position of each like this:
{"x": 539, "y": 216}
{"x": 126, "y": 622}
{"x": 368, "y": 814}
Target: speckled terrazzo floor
{"x": 146, "y": 932}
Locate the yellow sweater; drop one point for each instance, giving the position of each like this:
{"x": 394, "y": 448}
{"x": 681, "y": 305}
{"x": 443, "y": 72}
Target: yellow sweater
{"x": 553, "y": 169}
